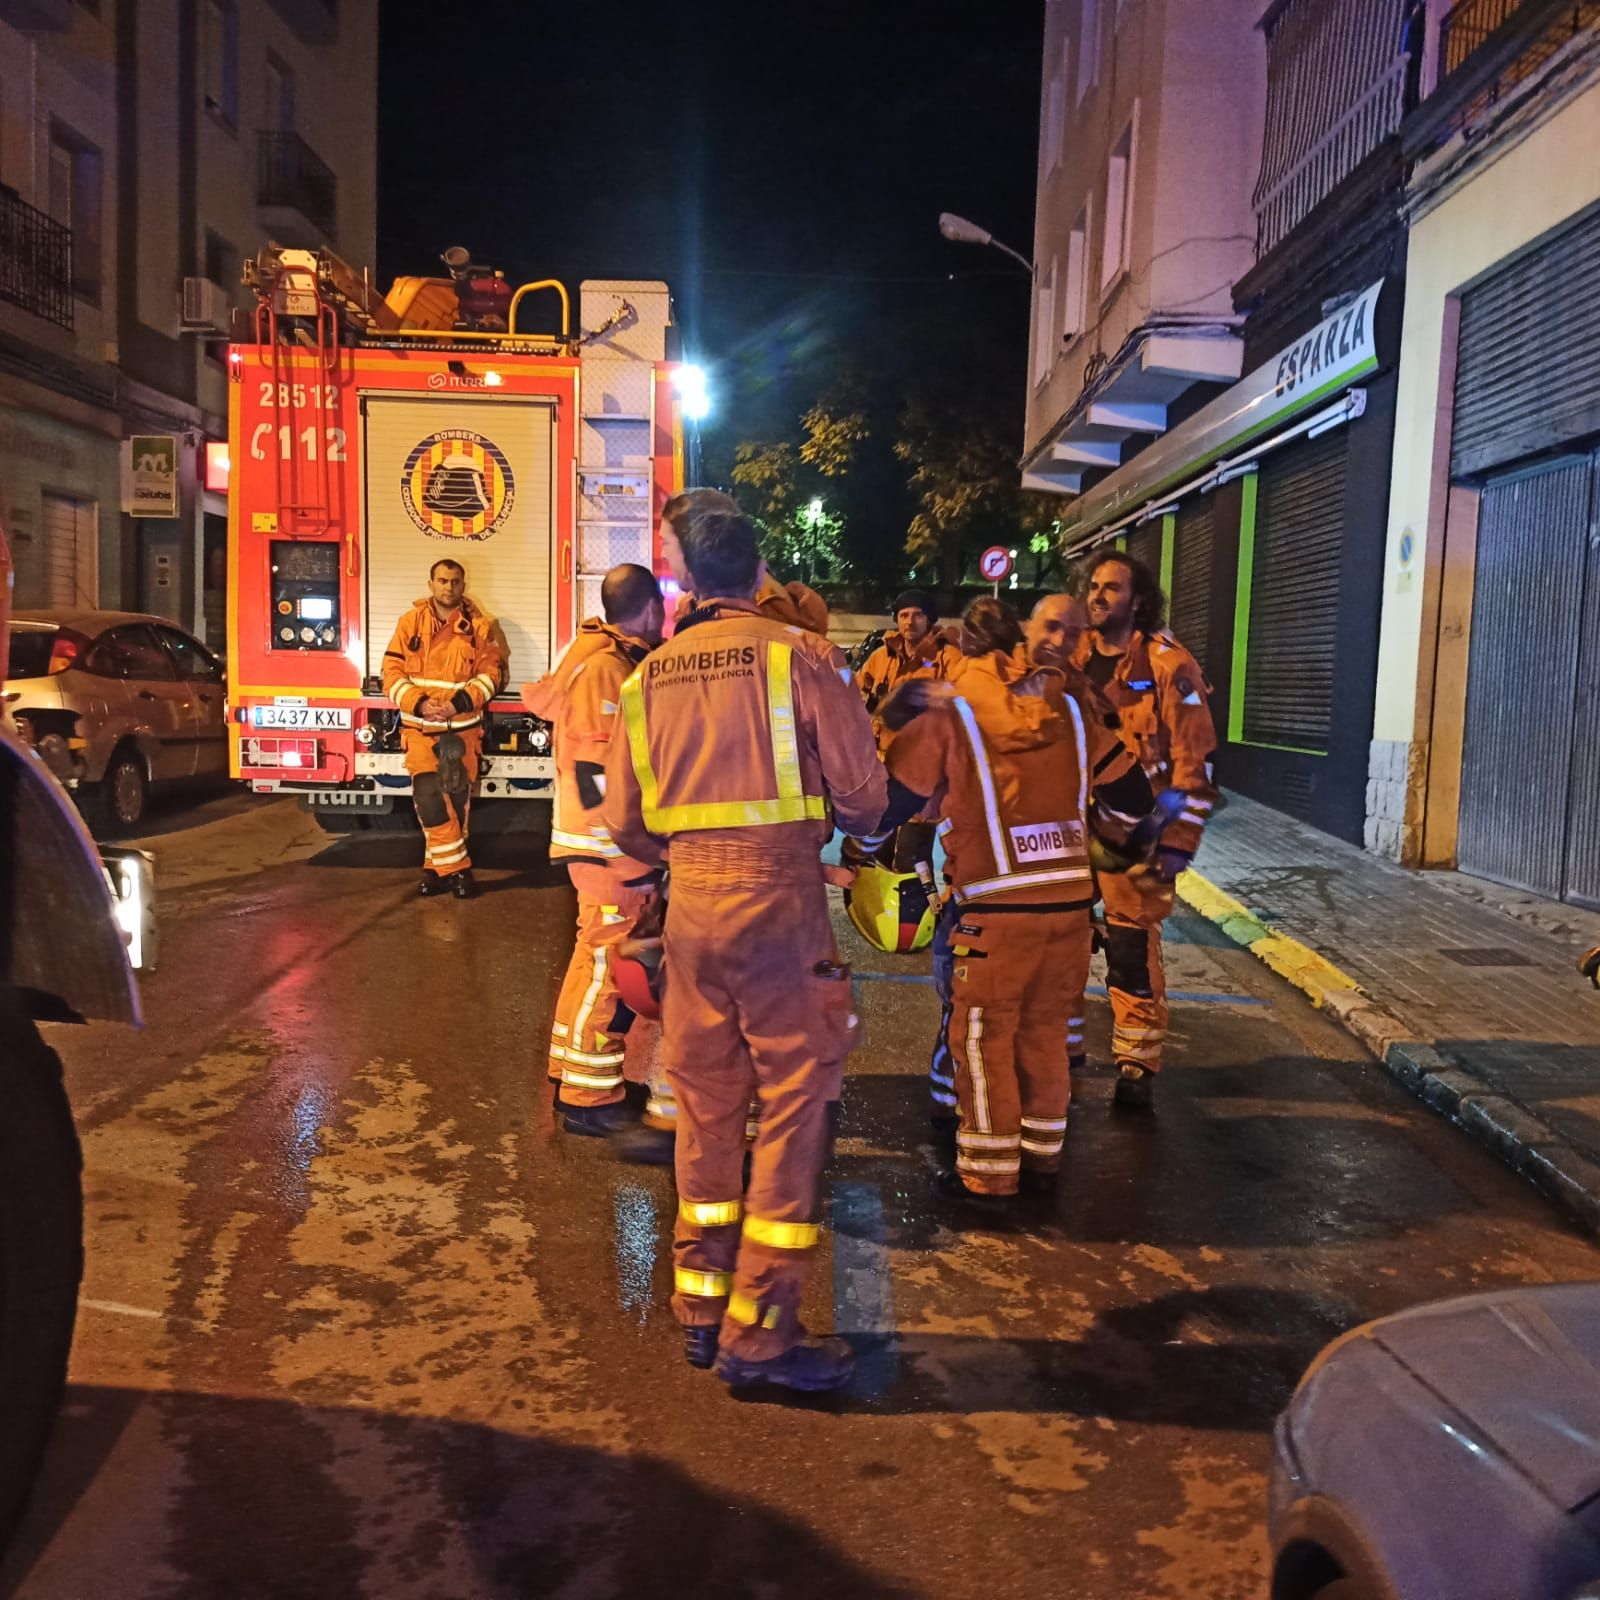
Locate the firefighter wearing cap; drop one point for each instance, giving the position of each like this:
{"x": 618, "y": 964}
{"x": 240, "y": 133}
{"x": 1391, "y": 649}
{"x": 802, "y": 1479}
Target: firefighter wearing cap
{"x": 443, "y": 666}
{"x": 1160, "y": 698}
{"x": 792, "y": 603}
{"x": 745, "y": 740}
{"x": 580, "y": 697}
{"x": 1015, "y": 763}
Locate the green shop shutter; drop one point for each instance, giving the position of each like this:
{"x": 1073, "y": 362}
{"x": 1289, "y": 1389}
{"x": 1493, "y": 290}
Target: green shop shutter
{"x": 1528, "y": 359}
{"x": 1193, "y": 543}
{"x": 1294, "y": 595}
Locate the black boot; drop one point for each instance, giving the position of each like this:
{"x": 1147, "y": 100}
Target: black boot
{"x": 645, "y": 1146}
{"x": 700, "y": 1347}
{"x": 1135, "y": 1090}
{"x": 813, "y": 1366}
{"x": 947, "y": 1185}
{"x": 431, "y": 884}
{"x": 595, "y": 1122}
{"x": 462, "y": 886}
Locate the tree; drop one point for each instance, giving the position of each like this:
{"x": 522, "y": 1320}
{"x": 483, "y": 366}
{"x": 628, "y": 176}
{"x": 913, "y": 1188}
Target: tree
{"x": 799, "y": 537}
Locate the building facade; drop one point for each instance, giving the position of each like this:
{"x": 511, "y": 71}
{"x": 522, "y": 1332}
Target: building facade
{"x": 1485, "y": 752}
{"x": 147, "y": 147}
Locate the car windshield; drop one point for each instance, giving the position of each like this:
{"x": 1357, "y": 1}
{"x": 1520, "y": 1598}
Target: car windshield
{"x": 30, "y": 651}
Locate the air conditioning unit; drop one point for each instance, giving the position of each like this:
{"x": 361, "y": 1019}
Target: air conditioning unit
{"x": 206, "y": 306}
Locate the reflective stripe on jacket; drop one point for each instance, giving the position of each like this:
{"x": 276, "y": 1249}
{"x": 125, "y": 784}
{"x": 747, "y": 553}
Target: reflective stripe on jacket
{"x": 580, "y": 696}
{"x": 737, "y": 723}
{"x": 1014, "y": 772}
{"x": 459, "y": 661}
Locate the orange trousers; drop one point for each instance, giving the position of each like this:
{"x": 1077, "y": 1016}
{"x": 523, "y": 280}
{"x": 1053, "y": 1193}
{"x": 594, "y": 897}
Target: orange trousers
{"x": 1136, "y": 979}
{"x": 588, "y": 1032}
{"x": 1014, "y": 978}
{"x": 441, "y": 812}
{"x": 756, "y": 1003}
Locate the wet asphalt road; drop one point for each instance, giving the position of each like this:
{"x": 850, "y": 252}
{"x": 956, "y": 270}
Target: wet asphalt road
{"x": 358, "y": 1321}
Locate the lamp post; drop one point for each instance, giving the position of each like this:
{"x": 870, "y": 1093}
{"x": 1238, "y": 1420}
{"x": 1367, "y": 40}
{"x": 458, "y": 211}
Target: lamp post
{"x": 959, "y": 231}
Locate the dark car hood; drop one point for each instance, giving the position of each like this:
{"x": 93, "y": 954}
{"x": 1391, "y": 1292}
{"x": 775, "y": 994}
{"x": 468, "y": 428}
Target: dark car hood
{"x": 1523, "y": 1367}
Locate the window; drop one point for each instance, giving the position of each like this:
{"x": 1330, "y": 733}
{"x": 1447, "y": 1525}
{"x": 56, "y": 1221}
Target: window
{"x": 131, "y": 652}
{"x": 1044, "y": 326}
{"x": 194, "y": 660}
{"x": 1088, "y": 47}
{"x": 1054, "y": 119}
{"x": 219, "y": 46}
{"x": 74, "y": 202}
{"x": 278, "y": 114}
{"x": 1075, "y": 291}
{"x": 1119, "y": 210}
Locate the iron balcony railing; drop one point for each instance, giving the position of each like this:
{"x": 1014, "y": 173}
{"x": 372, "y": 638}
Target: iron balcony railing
{"x": 292, "y": 175}
{"x": 1470, "y": 25}
{"x": 35, "y": 260}
{"x": 1336, "y": 89}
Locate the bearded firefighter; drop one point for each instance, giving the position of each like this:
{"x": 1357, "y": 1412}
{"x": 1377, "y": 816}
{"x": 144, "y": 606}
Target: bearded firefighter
{"x": 443, "y": 666}
{"x": 745, "y": 740}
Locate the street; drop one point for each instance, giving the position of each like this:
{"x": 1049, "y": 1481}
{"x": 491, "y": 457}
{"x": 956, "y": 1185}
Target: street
{"x": 359, "y": 1320}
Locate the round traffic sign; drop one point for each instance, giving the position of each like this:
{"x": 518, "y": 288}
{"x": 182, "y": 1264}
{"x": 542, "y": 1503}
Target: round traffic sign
{"x": 995, "y": 563}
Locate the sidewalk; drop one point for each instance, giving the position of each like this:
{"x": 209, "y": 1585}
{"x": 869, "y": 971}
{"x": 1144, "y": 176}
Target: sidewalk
{"x": 1467, "y": 993}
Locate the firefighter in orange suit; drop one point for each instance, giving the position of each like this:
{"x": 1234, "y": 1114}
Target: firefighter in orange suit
{"x": 1160, "y": 697}
{"x": 745, "y": 739}
{"x": 1012, "y": 764}
{"x": 441, "y": 669}
{"x": 794, "y": 603}
{"x": 580, "y": 696}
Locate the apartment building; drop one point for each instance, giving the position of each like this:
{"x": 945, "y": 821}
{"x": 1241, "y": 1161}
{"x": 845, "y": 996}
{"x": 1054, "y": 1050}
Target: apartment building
{"x": 147, "y": 147}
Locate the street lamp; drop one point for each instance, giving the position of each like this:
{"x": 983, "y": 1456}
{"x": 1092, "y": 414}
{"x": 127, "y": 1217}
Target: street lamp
{"x": 959, "y": 231}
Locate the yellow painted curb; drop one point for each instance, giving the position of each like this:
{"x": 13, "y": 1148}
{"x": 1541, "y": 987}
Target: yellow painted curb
{"x": 1299, "y": 963}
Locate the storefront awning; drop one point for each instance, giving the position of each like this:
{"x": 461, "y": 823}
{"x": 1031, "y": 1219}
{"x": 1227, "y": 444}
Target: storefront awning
{"x": 1312, "y": 371}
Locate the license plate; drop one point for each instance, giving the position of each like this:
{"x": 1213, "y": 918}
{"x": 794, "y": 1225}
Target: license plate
{"x": 309, "y": 718}
{"x": 346, "y": 800}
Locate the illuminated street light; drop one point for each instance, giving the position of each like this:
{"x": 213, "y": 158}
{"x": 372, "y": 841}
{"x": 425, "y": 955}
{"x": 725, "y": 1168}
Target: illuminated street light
{"x": 959, "y": 231}
{"x": 690, "y": 382}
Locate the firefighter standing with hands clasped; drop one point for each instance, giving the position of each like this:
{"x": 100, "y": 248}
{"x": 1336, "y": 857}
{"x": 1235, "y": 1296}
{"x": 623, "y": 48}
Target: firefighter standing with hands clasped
{"x": 1015, "y": 761}
{"x": 742, "y": 735}
{"x": 1159, "y": 695}
{"x": 580, "y": 697}
{"x": 441, "y": 669}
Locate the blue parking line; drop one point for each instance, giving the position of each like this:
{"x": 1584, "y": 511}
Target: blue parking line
{"x": 863, "y": 1293}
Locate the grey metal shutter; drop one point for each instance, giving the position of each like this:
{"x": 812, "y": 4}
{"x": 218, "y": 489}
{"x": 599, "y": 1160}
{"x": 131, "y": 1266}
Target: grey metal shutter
{"x": 1193, "y": 544}
{"x": 68, "y": 527}
{"x": 1528, "y": 360}
{"x": 1517, "y": 743}
{"x": 1583, "y": 792}
{"x": 1144, "y": 545}
{"x": 1294, "y": 595}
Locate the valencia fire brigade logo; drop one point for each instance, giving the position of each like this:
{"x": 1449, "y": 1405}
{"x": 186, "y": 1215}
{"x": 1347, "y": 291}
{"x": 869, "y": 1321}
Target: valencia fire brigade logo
{"x": 457, "y": 485}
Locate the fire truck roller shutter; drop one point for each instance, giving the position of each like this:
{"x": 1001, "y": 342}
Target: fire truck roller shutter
{"x": 472, "y": 481}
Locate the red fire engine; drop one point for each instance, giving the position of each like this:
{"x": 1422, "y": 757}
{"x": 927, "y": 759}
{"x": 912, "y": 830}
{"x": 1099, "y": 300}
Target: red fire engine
{"x": 370, "y": 436}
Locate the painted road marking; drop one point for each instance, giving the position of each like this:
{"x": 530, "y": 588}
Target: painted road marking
{"x": 863, "y": 1292}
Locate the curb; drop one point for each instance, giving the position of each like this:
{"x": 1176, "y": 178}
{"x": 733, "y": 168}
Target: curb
{"x": 1551, "y": 1162}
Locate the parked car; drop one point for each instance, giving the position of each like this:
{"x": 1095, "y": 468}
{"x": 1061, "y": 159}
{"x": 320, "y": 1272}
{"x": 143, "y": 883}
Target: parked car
{"x": 117, "y": 703}
{"x": 1451, "y": 1452}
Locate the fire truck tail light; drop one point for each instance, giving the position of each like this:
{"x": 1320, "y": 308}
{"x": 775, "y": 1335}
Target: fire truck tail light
{"x": 302, "y": 755}
{"x": 365, "y": 734}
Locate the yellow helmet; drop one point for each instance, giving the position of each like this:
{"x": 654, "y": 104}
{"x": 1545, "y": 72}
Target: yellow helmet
{"x": 891, "y": 910}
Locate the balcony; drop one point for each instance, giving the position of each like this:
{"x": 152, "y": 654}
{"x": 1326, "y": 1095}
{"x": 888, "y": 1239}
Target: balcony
{"x": 1486, "y": 49}
{"x": 293, "y": 181}
{"x": 35, "y": 261}
{"x": 1336, "y": 89}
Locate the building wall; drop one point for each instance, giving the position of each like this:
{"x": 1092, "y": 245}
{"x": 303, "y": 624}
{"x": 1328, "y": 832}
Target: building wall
{"x": 1187, "y": 83}
{"x": 1523, "y": 192}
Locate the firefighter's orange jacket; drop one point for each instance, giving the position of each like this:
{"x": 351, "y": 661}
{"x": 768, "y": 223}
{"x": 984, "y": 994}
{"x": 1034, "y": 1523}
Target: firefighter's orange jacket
{"x": 794, "y": 603}
{"x": 1013, "y": 772}
{"x": 742, "y": 726}
{"x": 1160, "y": 696}
{"x": 459, "y": 661}
{"x": 895, "y": 662}
{"x": 579, "y": 696}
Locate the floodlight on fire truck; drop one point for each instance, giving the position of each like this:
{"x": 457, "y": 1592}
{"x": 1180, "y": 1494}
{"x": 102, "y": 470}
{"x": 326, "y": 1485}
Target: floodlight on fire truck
{"x": 693, "y": 392}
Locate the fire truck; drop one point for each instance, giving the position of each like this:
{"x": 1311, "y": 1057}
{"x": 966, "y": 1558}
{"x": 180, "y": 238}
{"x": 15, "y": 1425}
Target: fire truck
{"x": 369, "y": 437}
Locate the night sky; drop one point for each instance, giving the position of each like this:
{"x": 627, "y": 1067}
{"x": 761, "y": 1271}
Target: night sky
{"x": 782, "y": 167}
